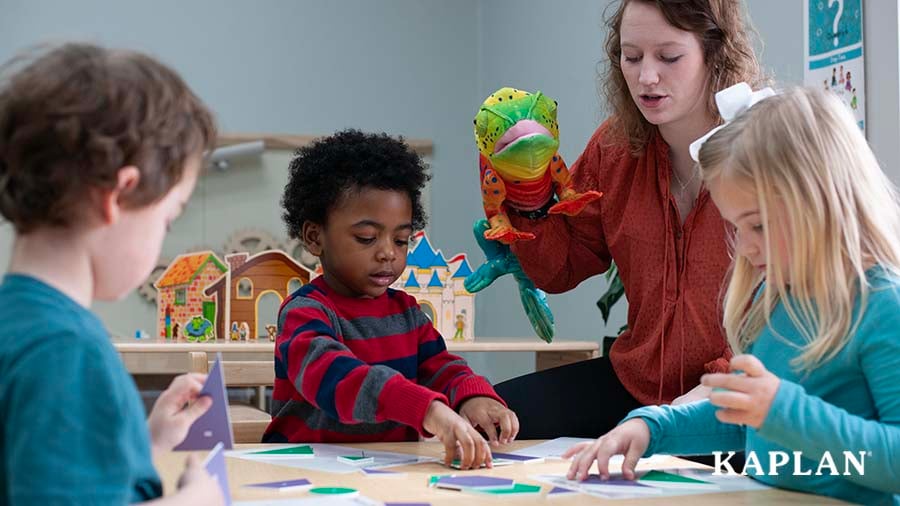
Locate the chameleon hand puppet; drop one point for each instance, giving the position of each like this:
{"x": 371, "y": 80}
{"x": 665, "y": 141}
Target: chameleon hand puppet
{"x": 518, "y": 138}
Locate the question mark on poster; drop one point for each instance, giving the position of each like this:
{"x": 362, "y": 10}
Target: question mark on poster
{"x": 837, "y": 17}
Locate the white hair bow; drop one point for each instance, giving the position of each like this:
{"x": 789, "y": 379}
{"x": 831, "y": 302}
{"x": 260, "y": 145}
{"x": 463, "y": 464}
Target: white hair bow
{"x": 731, "y": 101}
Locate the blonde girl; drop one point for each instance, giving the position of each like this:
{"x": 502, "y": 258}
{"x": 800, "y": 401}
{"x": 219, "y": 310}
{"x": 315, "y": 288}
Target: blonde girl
{"x": 813, "y": 305}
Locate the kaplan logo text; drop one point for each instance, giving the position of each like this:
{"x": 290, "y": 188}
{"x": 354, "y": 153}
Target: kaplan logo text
{"x": 778, "y": 462}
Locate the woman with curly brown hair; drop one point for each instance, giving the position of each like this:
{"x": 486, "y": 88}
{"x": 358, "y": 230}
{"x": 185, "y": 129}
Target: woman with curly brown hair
{"x": 667, "y": 58}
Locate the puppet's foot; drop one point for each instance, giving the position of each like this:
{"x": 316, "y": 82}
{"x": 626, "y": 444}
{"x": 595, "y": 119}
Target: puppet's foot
{"x": 574, "y": 203}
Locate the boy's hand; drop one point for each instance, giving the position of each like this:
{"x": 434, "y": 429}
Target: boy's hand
{"x": 746, "y": 398}
{"x": 175, "y": 411}
{"x": 196, "y": 486}
{"x": 487, "y": 413}
{"x": 630, "y": 439}
{"x": 458, "y": 436}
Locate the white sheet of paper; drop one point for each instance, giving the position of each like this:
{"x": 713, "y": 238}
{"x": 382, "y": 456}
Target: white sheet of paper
{"x": 722, "y": 484}
{"x": 551, "y": 449}
{"x": 325, "y": 459}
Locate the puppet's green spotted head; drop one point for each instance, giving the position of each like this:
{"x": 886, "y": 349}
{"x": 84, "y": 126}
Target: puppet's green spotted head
{"x": 517, "y": 131}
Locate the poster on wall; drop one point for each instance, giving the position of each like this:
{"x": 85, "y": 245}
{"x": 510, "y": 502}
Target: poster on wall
{"x": 833, "y": 54}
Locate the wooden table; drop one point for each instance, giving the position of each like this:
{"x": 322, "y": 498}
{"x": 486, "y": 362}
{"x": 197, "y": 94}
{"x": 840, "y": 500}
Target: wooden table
{"x": 152, "y": 356}
{"x": 412, "y": 486}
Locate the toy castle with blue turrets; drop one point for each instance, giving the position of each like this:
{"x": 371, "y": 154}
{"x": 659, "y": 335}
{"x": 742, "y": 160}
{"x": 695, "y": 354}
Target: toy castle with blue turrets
{"x": 437, "y": 284}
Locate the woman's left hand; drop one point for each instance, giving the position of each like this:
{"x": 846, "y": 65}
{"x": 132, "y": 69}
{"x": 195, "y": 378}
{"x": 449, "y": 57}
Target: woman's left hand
{"x": 745, "y": 398}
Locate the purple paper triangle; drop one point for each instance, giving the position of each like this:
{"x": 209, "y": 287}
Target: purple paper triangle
{"x": 215, "y": 466}
{"x": 214, "y": 426}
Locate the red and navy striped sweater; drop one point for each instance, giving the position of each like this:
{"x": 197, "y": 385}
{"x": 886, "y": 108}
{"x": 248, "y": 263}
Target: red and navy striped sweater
{"x": 352, "y": 369}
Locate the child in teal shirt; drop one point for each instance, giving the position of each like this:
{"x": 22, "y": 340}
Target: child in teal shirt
{"x": 99, "y": 152}
{"x": 813, "y": 302}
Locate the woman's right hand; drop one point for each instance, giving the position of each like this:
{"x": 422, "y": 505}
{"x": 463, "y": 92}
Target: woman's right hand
{"x": 196, "y": 486}
{"x": 630, "y": 439}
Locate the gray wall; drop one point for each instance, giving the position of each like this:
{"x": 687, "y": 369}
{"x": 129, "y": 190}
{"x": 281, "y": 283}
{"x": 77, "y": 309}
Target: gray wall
{"x": 413, "y": 67}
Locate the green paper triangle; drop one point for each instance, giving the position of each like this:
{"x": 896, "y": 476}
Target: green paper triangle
{"x": 669, "y": 477}
{"x": 518, "y": 488}
{"x": 293, "y": 450}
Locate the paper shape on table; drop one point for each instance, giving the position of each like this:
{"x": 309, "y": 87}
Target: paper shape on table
{"x": 214, "y": 426}
{"x": 284, "y": 486}
{"x": 356, "y": 460}
{"x": 456, "y": 464}
{"x": 215, "y": 466}
{"x": 335, "y": 491}
{"x": 407, "y": 504}
{"x": 714, "y": 484}
{"x": 473, "y": 481}
{"x": 663, "y": 479}
{"x": 551, "y": 449}
{"x": 380, "y": 473}
{"x": 616, "y": 484}
{"x": 518, "y": 489}
{"x": 560, "y": 492}
{"x": 325, "y": 456}
{"x": 525, "y": 459}
{"x": 289, "y": 452}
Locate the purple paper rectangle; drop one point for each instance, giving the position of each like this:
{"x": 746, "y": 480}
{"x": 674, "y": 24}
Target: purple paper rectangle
{"x": 460, "y": 482}
{"x": 379, "y": 471}
{"x": 513, "y": 456}
{"x": 215, "y": 466}
{"x": 301, "y": 482}
{"x": 561, "y": 491}
{"x": 214, "y": 426}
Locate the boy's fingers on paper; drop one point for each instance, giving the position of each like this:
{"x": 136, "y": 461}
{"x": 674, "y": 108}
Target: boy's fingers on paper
{"x": 450, "y": 450}
{"x": 487, "y": 425}
{"x": 509, "y": 427}
{"x": 466, "y": 446}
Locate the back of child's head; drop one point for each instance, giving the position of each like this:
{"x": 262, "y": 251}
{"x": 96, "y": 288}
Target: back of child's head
{"x": 333, "y": 168}
{"x": 819, "y": 185}
{"x": 71, "y": 116}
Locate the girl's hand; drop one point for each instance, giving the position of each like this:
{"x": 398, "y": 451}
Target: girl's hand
{"x": 630, "y": 439}
{"x": 746, "y": 398}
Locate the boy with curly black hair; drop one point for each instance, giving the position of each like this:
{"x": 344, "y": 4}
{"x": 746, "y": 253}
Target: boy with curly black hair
{"x": 354, "y": 359}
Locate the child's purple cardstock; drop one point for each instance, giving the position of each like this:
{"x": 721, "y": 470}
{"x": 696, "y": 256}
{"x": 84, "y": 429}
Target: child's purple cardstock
{"x": 280, "y": 485}
{"x": 461, "y": 482}
{"x": 214, "y": 426}
{"x": 513, "y": 456}
{"x": 215, "y": 466}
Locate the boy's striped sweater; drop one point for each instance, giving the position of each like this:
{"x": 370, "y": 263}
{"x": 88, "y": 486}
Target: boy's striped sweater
{"x": 352, "y": 369}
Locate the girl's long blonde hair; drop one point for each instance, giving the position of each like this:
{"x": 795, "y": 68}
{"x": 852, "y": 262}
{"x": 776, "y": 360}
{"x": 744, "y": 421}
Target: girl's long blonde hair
{"x": 815, "y": 176}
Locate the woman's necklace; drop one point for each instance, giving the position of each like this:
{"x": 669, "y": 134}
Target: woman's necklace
{"x": 684, "y": 185}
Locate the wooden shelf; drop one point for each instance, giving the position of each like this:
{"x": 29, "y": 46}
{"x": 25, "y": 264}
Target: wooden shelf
{"x": 291, "y": 142}
{"x": 157, "y": 356}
